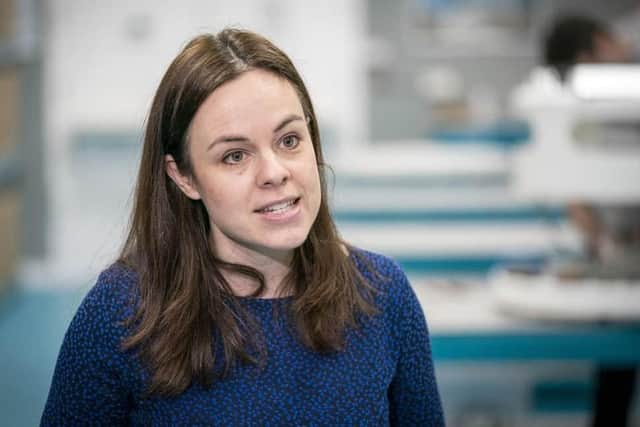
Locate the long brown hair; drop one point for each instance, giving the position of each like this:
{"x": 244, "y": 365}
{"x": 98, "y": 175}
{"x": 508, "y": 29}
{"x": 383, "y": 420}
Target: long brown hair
{"x": 185, "y": 307}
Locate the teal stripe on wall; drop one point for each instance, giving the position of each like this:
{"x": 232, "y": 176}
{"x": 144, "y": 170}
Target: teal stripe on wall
{"x": 563, "y": 396}
{"x": 525, "y": 214}
{"x": 486, "y": 180}
{"x": 480, "y": 265}
{"x": 613, "y": 345}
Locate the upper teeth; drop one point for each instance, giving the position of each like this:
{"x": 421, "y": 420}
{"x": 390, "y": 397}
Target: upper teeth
{"x": 278, "y": 206}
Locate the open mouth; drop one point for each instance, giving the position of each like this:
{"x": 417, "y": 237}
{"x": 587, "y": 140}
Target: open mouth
{"x": 280, "y": 207}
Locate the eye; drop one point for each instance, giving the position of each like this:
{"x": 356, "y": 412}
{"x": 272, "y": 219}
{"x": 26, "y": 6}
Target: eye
{"x": 290, "y": 142}
{"x": 234, "y": 157}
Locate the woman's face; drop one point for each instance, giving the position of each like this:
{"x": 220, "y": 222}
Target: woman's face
{"x": 254, "y": 167}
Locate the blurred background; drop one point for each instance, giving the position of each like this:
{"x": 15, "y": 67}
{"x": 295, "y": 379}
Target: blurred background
{"x": 431, "y": 119}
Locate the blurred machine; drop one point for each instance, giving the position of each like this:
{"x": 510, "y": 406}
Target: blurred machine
{"x": 585, "y": 155}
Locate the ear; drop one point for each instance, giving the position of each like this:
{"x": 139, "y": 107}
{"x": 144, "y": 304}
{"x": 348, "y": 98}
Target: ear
{"x": 185, "y": 183}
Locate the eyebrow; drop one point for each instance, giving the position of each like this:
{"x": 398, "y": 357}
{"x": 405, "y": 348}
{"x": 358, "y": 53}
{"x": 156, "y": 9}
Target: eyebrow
{"x": 239, "y": 138}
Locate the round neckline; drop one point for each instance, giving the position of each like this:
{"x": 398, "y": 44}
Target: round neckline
{"x": 260, "y": 300}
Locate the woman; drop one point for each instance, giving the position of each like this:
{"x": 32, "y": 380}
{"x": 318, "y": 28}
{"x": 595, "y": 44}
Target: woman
{"x": 234, "y": 301}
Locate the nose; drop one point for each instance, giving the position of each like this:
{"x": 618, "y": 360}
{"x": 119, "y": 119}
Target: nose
{"x": 272, "y": 171}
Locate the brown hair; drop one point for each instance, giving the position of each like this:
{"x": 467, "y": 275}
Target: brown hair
{"x": 185, "y": 306}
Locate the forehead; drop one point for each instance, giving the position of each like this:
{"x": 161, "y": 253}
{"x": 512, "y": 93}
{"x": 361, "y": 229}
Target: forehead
{"x": 254, "y": 100}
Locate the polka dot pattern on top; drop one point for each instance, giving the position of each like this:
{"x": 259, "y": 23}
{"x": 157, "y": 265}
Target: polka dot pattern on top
{"x": 384, "y": 376}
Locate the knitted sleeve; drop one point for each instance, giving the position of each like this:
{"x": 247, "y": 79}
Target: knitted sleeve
{"x": 413, "y": 395}
{"x": 88, "y": 386}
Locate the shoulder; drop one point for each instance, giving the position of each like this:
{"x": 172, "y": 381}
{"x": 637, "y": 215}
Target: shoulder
{"x": 116, "y": 279}
{"x": 113, "y": 295}
{"x": 386, "y": 276}
{"x": 372, "y": 264}
{"x": 99, "y": 324}
{"x": 399, "y": 309}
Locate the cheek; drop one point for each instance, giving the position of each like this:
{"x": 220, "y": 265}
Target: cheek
{"x": 312, "y": 180}
{"x": 221, "y": 193}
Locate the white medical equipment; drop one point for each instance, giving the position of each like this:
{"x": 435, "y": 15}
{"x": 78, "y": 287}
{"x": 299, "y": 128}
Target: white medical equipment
{"x": 585, "y": 149}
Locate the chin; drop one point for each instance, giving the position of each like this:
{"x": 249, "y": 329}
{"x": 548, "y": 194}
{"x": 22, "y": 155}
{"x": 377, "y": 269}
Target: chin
{"x": 286, "y": 243}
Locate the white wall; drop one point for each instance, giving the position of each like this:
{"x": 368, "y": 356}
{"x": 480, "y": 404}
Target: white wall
{"x": 105, "y": 59}
{"x": 103, "y": 62}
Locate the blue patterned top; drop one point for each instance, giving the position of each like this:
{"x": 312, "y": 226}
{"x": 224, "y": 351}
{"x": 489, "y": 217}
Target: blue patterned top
{"x": 384, "y": 376}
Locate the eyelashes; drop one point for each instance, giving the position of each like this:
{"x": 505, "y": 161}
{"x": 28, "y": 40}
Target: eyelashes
{"x": 234, "y": 157}
{"x": 289, "y": 142}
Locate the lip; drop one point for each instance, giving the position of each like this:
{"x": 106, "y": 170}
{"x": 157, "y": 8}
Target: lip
{"x": 281, "y": 215}
{"x": 294, "y": 199}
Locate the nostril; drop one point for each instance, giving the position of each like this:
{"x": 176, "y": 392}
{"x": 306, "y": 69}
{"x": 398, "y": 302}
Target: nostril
{"x": 272, "y": 172}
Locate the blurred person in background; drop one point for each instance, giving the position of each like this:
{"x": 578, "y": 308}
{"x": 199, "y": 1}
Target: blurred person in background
{"x": 572, "y": 40}
{"x": 234, "y": 300}
{"x": 576, "y": 39}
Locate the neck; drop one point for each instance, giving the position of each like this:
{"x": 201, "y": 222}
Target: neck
{"x": 274, "y": 268}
